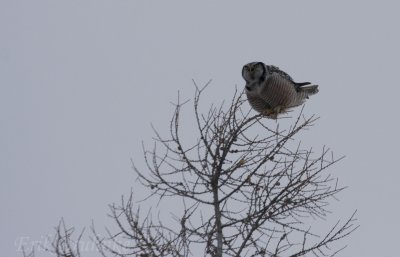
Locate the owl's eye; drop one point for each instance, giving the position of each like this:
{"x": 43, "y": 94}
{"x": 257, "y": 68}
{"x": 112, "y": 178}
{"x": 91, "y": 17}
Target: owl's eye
{"x": 251, "y": 69}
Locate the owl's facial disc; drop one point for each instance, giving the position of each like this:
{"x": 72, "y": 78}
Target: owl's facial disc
{"x": 254, "y": 71}
{"x": 249, "y": 71}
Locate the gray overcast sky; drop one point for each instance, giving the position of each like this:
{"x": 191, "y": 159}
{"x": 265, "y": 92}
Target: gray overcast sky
{"x": 80, "y": 82}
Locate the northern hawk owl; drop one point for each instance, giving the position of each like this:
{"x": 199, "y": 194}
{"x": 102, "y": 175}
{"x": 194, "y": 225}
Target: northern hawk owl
{"x": 271, "y": 91}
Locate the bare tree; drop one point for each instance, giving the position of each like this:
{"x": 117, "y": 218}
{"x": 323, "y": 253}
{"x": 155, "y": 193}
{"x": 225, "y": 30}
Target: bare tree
{"x": 247, "y": 188}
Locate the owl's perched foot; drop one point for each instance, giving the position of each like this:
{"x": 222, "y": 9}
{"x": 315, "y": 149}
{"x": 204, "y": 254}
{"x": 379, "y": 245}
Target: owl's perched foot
{"x": 267, "y": 112}
{"x": 273, "y": 113}
{"x": 277, "y": 109}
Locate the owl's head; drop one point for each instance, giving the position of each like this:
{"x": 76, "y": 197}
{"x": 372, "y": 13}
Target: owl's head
{"x": 254, "y": 71}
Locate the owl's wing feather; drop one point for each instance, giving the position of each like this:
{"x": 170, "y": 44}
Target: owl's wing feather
{"x": 275, "y": 69}
{"x": 302, "y": 84}
{"x": 297, "y": 85}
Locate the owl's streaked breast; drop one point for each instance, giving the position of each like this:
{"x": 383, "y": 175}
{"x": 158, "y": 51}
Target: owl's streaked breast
{"x": 258, "y": 103}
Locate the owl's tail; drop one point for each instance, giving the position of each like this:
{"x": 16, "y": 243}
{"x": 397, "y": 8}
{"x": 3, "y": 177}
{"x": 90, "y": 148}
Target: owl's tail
{"x": 309, "y": 90}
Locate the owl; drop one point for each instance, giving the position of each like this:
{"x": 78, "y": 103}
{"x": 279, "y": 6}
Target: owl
{"x": 271, "y": 91}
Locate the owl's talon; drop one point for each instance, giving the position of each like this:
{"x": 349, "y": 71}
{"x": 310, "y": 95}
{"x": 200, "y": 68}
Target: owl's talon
{"x": 277, "y": 110}
{"x": 268, "y": 112}
{"x": 273, "y": 113}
